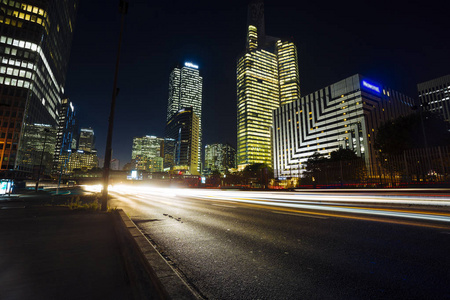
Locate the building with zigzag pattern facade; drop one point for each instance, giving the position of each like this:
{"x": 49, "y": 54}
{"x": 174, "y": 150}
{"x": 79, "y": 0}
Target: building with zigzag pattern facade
{"x": 343, "y": 115}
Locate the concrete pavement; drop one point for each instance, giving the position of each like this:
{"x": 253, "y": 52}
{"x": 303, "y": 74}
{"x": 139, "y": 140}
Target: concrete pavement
{"x": 51, "y": 252}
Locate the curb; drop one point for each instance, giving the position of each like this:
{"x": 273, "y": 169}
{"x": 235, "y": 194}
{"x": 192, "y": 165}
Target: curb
{"x": 151, "y": 277}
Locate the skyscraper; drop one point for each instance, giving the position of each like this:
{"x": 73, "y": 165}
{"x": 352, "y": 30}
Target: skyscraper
{"x": 66, "y": 135}
{"x": 35, "y": 41}
{"x": 185, "y": 90}
{"x": 181, "y": 142}
{"x": 434, "y": 96}
{"x": 267, "y": 77}
{"x": 86, "y": 141}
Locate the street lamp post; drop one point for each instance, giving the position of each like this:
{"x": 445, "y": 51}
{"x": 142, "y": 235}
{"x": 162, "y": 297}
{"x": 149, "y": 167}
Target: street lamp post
{"x": 123, "y": 8}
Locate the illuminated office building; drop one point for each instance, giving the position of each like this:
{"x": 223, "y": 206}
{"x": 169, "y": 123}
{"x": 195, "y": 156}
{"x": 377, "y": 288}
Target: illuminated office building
{"x": 343, "y": 115}
{"x": 147, "y": 152}
{"x": 434, "y": 96}
{"x": 79, "y": 160}
{"x": 86, "y": 141}
{"x": 181, "y": 142}
{"x": 267, "y": 77}
{"x": 185, "y": 90}
{"x": 219, "y": 157}
{"x": 39, "y": 140}
{"x": 35, "y": 41}
{"x": 66, "y": 135}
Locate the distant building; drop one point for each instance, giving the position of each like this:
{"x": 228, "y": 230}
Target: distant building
{"x": 79, "y": 160}
{"x": 86, "y": 141}
{"x": 181, "y": 142}
{"x": 84, "y": 158}
{"x": 185, "y": 90}
{"x": 35, "y": 42}
{"x": 343, "y": 115}
{"x": 39, "y": 142}
{"x": 434, "y": 96}
{"x": 219, "y": 157}
{"x": 115, "y": 164}
{"x": 66, "y": 136}
{"x": 267, "y": 77}
{"x": 147, "y": 152}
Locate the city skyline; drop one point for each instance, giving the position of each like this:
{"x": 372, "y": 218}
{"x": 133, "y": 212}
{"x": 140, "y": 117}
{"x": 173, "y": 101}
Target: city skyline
{"x": 328, "y": 49}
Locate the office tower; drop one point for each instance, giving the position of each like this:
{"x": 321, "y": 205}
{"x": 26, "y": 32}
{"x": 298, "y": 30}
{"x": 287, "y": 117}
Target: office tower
{"x": 35, "y": 41}
{"x": 147, "y": 152}
{"x": 38, "y": 140}
{"x": 185, "y": 90}
{"x": 66, "y": 135}
{"x": 79, "y": 161}
{"x": 181, "y": 142}
{"x": 219, "y": 157}
{"x": 343, "y": 115}
{"x": 267, "y": 77}
{"x": 434, "y": 96}
{"x": 86, "y": 142}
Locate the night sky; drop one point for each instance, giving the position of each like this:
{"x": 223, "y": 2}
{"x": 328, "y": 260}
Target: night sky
{"x": 397, "y": 43}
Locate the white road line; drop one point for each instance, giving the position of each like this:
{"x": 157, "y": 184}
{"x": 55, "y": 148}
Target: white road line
{"x": 12, "y": 207}
{"x": 222, "y": 205}
{"x": 299, "y": 215}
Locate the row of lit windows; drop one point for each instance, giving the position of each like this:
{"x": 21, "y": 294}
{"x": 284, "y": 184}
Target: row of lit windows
{"x": 16, "y": 72}
{"x": 25, "y": 16}
{"x": 33, "y": 47}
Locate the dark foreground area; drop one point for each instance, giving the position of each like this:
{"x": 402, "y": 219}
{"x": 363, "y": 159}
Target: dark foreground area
{"x": 49, "y": 251}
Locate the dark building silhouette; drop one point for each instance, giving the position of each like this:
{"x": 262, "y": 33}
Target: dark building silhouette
{"x": 181, "y": 142}
{"x": 434, "y": 96}
{"x": 67, "y": 135}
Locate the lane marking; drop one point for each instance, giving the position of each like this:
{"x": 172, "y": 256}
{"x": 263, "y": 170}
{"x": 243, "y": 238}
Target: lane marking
{"x": 12, "y": 207}
{"x": 223, "y": 205}
{"x": 299, "y": 215}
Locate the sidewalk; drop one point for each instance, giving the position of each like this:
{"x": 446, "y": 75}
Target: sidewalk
{"x": 51, "y": 252}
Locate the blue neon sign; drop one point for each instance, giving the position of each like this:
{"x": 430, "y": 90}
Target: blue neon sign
{"x": 371, "y": 86}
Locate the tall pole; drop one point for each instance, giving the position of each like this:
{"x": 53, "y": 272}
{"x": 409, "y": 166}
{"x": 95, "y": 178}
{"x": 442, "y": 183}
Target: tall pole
{"x": 123, "y": 8}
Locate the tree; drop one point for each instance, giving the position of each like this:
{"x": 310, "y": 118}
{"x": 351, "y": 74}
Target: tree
{"x": 258, "y": 173}
{"x": 214, "y": 178}
{"x": 343, "y": 165}
{"x": 416, "y": 130}
{"x": 315, "y": 170}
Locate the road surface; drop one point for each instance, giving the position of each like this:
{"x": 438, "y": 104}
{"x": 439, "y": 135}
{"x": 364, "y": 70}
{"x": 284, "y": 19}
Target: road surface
{"x": 299, "y": 245}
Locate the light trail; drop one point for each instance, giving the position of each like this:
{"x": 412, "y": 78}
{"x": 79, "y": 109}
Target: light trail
{"x": 324, "y": 204}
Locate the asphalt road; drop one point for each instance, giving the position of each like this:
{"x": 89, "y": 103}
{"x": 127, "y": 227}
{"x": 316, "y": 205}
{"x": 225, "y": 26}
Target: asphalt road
{"x": 244, "y": 245}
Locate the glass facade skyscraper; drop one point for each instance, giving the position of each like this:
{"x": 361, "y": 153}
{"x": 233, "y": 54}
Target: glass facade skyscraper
{"x": 185, "y": 91}
{"x": 267, "y": 77}
{"x": 181, "y": 142}
{"x": 86, "y": 141}
{"x": 35, "y": 41}
{"x": 66, "y": 138}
